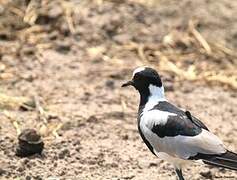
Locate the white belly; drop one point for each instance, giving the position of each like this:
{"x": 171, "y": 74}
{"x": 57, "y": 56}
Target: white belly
{"x": 177, "y": 162}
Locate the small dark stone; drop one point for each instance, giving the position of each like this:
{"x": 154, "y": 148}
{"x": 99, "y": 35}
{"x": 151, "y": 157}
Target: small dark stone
{"x": 92, "y": 119}
{"x": 2, "y": 171}
{"x": 76, "y": 143}
{"x": 110, "y": 84}
{"x": 64, "y": 153}
{"x": 29, "y": 143}
{"x": 20, "y": 169}
{"x": 5, "y": 36}
{"x": 206, "y": 174}
{"x": 62, "y": 173}
{"x": 129, "y": 177}
{"x": 78, "y": 157}
{"x": 37, "y": 177}
{"x": 63, "y": 48}
{"x": 30, "y": 136}
{"x": 78, "y": 149}
{"x": 55, "y": 157}
{"x": 28, "y": 178}
{"x": 152, "y": 164}
{"x": 67, "y": 126}
{"x": 45, "y": 19}
{"x": 125, "y": 137}
{"x": 114, "y": 165}
{"x": 28, "y": 106}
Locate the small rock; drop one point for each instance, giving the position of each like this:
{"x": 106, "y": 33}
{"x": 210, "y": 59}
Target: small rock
{"x": 207, "y": 174}
{"x": 67, "y": 126}
{"x": 153, "y": 164}
{"x": 129, "y": 177}
{"x": 28, "y": 178}
{"x": 125, "y": 137}
{"x": 76, "y": 143}
{"x": 37, "y": 177}
{"x": 114, "y": 165}
{"x": 20, "y": 169}
{"x": 62, "y": 173}
{"x": 29, "y": 143}
{"x": 25, "y": 161}
{"x": 2, "y": 171}
{"x": 63, "y": 47}
{"x": 78, "y": 149}
{"x": 110, "y": 84}
{"x": 92, "y": 119}
{"x": 63, "y": 154}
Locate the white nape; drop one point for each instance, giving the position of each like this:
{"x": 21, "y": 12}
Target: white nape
{"x": 139, "y": 69}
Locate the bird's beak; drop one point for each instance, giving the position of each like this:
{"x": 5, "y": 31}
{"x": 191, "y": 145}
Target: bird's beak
{"x": 129, "y": 83}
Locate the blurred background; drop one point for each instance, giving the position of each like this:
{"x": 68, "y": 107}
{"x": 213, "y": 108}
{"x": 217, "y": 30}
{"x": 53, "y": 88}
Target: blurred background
{"x": 62, "y": 63}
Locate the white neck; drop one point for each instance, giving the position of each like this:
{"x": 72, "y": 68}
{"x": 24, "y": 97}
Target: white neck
{"x": 157, "y": 94}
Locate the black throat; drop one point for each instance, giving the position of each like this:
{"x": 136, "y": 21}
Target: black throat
{"x": 144, "y": 95}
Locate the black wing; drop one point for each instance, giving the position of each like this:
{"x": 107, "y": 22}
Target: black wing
{"x": 195, "y": 120}
{"x": 176, "y": 125}
{"x": 166, "y": 106}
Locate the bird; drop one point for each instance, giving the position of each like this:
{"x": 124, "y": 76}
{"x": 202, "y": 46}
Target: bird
{"x": 171, "y": 133}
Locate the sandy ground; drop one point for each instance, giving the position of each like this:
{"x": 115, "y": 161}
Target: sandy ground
{"x": 99, "y": 137}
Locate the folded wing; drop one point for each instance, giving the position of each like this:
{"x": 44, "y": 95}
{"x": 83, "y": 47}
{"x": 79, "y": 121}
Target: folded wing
{"x": 179, "y": 135}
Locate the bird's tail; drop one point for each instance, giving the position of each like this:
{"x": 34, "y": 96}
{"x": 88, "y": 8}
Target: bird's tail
{"x": 227, "y": 160}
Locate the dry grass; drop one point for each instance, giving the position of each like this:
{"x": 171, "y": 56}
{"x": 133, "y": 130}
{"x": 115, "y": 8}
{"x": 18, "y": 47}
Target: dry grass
{"x": 19, "y": 23}
{"x": 10, "y": 102}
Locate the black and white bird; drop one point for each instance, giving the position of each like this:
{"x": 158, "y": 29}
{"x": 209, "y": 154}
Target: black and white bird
{"x": 172, "y": 134}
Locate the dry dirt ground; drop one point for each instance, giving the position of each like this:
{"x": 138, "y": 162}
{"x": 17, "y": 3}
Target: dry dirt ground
{"x": 81, "y": 89}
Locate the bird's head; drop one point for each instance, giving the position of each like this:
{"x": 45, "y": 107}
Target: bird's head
{"x": 147, "y": 81}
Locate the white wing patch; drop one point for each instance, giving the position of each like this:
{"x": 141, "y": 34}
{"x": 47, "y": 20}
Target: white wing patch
{"x": 155, "y": 117}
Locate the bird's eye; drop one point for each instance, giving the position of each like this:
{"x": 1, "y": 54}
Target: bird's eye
{"x": 136, "y": 77}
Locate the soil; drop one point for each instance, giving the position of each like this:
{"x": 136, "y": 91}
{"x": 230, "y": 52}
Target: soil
{"x": 79, "y": 82}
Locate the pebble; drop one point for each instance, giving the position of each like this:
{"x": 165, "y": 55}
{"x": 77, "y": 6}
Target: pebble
{"x": 63, "y": 154}
{"x": 110, "y": 84}
{"x": 28, "y": 178}
{"x": 29, "y": 143}
{"x": 206, "y": 174}
{"x": 2, "y": 171}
